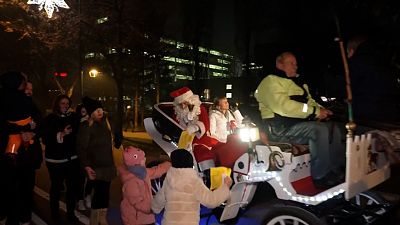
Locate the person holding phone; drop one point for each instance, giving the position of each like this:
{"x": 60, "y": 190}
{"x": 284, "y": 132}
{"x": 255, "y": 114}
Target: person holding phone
{"x": 59, "y": 137}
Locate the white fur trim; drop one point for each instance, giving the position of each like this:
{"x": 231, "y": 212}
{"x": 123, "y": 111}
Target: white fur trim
{"x": 202, "y": 130}
{"x": 183, "y": 97}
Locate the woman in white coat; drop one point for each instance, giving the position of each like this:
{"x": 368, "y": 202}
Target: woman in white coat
{"x": 183, "y": 191}
{"x": 223, "y": 123}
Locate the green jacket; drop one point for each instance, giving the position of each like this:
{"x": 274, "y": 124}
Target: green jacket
{"x": 94, "y": 145}
{"x": 273, "y": 95}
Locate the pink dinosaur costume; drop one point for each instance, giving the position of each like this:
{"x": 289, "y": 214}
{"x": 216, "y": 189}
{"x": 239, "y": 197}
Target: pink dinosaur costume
{"x": 136, "y": 189}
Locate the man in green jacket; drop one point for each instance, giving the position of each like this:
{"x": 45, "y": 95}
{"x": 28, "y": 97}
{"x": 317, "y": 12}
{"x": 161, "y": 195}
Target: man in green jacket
{"x": 289, "y": 114}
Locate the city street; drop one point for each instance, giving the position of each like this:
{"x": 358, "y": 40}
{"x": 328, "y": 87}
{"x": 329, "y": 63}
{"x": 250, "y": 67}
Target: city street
{"x": 206, "y": 67}
{"x": 153, "y": 152}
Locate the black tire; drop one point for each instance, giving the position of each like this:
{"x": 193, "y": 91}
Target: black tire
{"x": 370, "y": 201}
{"x": 281, "y": 212}
{"x": 156, "y": 184}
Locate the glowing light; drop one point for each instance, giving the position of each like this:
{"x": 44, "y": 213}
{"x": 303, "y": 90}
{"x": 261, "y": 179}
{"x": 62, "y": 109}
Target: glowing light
{"x": 93, "y": 73}
{"x": 49, "y": 5}
{"x": 259, "y": 175}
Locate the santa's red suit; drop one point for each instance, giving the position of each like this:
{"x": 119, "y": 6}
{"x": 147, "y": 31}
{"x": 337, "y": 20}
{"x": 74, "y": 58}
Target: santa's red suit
{"x": 193, "y": 117}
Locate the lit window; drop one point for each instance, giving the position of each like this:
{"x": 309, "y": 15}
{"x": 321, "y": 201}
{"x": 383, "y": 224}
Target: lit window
{"x": 112, "y": 50}
{"x": 229, "y": 87}
{"x": 89, "y": 55}
{"x": 201, "y": 49}
{"x": 180, "y": 45}
{"x": 213, "y": 52}
{"x": 216, "y": 74}
{"x": 102, "y": 20}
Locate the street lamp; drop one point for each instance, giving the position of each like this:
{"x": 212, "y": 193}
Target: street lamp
{"x": 92, "y": 73}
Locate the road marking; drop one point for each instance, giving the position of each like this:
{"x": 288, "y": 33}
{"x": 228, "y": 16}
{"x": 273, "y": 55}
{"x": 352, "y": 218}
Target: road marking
{"x": 82, "y": 218}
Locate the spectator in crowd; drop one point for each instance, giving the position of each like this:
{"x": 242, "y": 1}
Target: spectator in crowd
{"x": 85, "y": 190}
{"x": 59, "y": 137}
{"x": 183, "y": 191}
{"x": 20, "y": 155}
{"x": 289, "y": 114}
{"x": 136, "y": 187}
{"x": 128, "y": 118}
{"x": 95, "y": 153}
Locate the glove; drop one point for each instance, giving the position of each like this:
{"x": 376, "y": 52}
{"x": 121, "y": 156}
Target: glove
{"x": 191, "y": 129}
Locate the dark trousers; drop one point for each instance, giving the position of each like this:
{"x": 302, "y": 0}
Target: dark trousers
{"x": 60, "y": 172}
{"x": 88, "y": 187}
{"x": 101, "y": 194}
{"x": 17, "y": 199}
{"x": 85, "y": 186}
{"x": 324, "y": 140}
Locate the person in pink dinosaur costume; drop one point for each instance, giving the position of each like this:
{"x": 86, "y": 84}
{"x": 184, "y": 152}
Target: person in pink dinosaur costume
{"x": 136, "y": 187}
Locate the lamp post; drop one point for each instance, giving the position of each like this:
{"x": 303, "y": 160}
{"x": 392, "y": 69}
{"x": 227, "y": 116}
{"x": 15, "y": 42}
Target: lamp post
{"x": 82, "y": 83}
{"x": 93, "y": 73}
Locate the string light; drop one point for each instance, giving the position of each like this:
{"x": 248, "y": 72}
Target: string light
{"x": 260, "y": 176}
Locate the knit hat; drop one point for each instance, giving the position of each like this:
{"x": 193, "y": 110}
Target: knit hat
{"x": 181, "y": 158}
{"x": 91, "y": 105}
{"x": 133, "y": 156}
{"x": 11, "y": 80}
{"x": 181, "y": 95}
{"x": 15, "y": 104}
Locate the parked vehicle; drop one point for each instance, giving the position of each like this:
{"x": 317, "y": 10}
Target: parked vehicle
{"x": 274, "y": 181}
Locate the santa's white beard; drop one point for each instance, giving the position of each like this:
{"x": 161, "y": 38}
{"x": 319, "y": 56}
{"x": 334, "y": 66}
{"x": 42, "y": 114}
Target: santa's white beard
{"x": 186, "y": 117}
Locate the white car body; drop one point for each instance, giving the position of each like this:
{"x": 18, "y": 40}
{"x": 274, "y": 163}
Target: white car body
{"x": 283, "y": 170}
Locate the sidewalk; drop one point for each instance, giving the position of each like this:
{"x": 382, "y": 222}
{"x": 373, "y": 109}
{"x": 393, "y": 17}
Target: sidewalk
{"x": 137, "y": 136}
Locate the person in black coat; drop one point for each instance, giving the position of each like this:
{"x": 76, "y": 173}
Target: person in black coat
{"x": 375, "y": 88}
{"x": 59, "y": 136}
{"x": 18, "y": 157}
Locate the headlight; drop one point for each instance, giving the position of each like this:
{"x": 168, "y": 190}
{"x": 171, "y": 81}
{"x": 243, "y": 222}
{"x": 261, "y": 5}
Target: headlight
{"x": 249, "y": 134}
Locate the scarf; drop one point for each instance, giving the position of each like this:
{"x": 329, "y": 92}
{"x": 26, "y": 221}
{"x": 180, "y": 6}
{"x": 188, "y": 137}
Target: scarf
{"x": 139, "y": 171}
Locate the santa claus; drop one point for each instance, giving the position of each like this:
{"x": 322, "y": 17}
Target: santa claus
{"x": 193, "y": 117}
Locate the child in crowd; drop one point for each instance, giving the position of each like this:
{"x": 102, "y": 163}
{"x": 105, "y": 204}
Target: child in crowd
{"x": 183, "y": 191}
{"x": 136, "y": 202}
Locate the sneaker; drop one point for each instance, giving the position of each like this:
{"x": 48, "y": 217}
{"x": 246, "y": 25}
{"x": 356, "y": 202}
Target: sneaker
{"x": 81, "y": 205}
{"x": 88, "y": 201}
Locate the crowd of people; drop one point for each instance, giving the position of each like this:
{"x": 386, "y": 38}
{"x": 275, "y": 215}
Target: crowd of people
{"x": 78, "y": 150}
{"x": 77, "y": 147}
{"x": 79, "y": 160}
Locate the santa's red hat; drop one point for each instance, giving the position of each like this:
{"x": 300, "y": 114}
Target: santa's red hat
{"x": 181, "y": 95}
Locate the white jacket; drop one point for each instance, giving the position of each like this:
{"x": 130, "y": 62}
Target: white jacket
{"x": 181, "y": 195}
{"x": 220, "y": 125}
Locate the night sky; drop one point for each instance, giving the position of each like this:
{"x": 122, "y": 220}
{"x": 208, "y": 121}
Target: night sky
{"x": 263, "y": 29}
